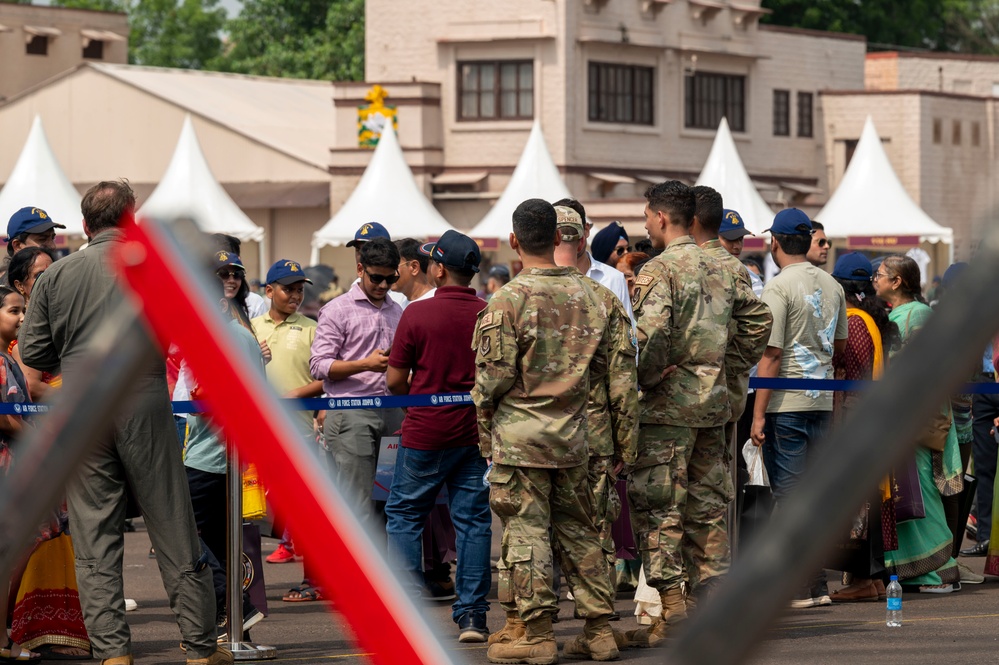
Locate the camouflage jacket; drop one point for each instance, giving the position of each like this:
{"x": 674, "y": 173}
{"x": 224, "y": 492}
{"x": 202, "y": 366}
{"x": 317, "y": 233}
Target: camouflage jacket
{"x": 612, "y": 425}
{"x": 684, "y": 302}
{"x": 744, "y": 346}
{"x": 538, "y": 345}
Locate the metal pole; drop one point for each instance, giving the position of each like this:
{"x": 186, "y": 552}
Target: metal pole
{"x": 234, "y": 568}
{"x": 846, "y": 469}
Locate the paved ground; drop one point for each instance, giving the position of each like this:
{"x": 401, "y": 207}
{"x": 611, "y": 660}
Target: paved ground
{"x": 957, "y": 628}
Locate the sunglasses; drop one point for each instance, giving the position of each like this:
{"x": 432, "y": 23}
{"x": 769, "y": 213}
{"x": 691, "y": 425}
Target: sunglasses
{"x": 824, "y": 242}
{"x": 621, "y": 251}
{"x": 378, "y": 279}
{"x": 235, "y": 274}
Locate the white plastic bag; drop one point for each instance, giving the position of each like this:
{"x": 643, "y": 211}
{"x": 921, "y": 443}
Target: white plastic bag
{"x": 754, "y": 464}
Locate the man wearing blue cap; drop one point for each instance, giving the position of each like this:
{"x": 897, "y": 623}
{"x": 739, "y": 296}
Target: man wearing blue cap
{"x": 366, "y": 233}
{"x": 809, "y": 311}
{"x": 432, "y": 353}
{"x": 30, "y": 227}
{"x": 731, "y": 235}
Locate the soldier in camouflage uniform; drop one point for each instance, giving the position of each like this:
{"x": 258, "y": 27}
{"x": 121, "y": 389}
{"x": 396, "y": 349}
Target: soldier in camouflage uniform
{"x": 680, "y": 488}
{"x": 611, "y": 433}
{"x": 539, "y": 344}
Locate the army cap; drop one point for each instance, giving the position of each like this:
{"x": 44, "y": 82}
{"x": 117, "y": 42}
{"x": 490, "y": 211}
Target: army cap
{"x": 570, "y": 225}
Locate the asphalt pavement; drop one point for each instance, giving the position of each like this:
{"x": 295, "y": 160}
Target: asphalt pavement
{"x": 960, "y": 627}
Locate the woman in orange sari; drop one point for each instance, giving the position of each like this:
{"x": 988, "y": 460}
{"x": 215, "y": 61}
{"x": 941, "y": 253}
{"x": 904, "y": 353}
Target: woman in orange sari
{"x": 47, "y": 617}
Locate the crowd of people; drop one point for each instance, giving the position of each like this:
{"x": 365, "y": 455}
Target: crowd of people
{"x": 611, "y": 389}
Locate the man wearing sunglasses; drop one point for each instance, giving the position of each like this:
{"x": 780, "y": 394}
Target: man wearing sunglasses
{"x": 818, "y": 253}
{"x": 350, "y": 355}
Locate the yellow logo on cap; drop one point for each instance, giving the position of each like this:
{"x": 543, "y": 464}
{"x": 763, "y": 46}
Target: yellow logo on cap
{"x": 41, "y": 213}
{"x": 365, "y": 229}
{"x": 733, "y": 218}
{"x": 292, "y": 266}
{"x": 222, "y": 256}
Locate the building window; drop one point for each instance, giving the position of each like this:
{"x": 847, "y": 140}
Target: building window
{"x": 976, "y": 134}
{"x": 39, "y": 45}
{"x": 94, "y": 50}
{"x": 620, "y": 93}
{"x": 937, "y": 131}
{"x": 955, "y": 132}
{"x": 782, "y": 113}
{"x": 496, "y": 90}
{"x": 710, "y": 97}
{"x": 805, "y": 114}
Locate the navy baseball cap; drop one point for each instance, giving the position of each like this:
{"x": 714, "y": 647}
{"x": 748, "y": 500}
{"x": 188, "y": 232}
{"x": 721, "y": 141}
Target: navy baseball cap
{"x": 30, "y": 220}
{"x": 853, "y": 266}
{"x": 953, "y": 272}
{"x": 732, "y": 226}
{"x": 226, "y": 259}
{"x": 286, "y": 272}
{"x": 791, "y": 222}
{"x": 500, "y": 271}
{"x": 454, "y": 250}
{"x": 368, "y": 232}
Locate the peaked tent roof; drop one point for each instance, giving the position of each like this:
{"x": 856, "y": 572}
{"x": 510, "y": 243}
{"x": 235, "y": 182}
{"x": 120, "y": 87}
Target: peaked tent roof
{"x": 725, "y": 172}
{"x": 388, "y": 194}
{"x": 535, "y": 176}
{"x": 38, "y": 180}
{"x": 188, "y": 188}
{"x": 871, "y": 201}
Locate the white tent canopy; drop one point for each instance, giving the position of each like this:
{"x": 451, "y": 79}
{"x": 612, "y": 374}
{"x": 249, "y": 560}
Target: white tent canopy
{"x": 725, "y": 172}
{"x": 188, "y": 189}
{"x": 871, "y": 201}
{"x": 388, "y": 194}
{"x": 37, "y": 180}
{"x": 535, "y": 176}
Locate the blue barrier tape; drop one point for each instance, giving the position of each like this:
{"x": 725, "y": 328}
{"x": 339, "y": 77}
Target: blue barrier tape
{"x": 465, "y": 399}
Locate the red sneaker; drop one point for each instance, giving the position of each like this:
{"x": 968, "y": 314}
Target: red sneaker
{"x": 281, "y": 555}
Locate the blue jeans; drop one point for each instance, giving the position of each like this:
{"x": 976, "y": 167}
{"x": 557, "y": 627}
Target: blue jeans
{"x": 785, "y": 452}
{"x": 419, "y": 476}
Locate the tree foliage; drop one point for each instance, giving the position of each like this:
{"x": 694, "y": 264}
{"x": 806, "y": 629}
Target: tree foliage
{"x": 317, "y": 39}
{"x": 940, "y": 25}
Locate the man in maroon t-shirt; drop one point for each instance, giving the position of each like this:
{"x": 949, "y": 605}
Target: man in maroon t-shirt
{"x": 432, "y": 353}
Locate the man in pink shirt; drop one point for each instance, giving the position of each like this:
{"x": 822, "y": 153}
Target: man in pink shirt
{"x": 350, "y": 355}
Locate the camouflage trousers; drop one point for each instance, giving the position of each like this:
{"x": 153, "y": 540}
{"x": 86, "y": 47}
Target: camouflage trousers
{"x": 528, "y": 501}
{"x": 679, "y": 507}
{"x": 607, "y": 503}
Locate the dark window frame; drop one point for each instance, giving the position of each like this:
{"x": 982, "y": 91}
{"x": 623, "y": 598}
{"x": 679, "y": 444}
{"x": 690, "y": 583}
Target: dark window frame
{"x": 497, "y": 90}
{"x": 94, "y": 50}
{"x": 782, "y": 112}
{"x": 806, "y": 115}
{"x": 39, "y": 45}
{"x": 710, "y": 96}
{"x": 620, "y": 93}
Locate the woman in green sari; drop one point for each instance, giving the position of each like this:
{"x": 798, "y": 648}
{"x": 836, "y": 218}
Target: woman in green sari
{"x": 923, "y": 558}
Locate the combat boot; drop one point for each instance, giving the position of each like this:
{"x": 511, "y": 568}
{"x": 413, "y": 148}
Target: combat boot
{"x": 598, "y": 642}
{"x": 536, "y": 647}
{"x": 674, "y": 612}
{"x": 511, "y": 632}
{"x": 220, "y": 657}
{"x": 118, "y": 660}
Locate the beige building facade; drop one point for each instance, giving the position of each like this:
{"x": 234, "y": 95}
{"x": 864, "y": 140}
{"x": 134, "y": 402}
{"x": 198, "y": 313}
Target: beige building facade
{"x": 38, "y": 43}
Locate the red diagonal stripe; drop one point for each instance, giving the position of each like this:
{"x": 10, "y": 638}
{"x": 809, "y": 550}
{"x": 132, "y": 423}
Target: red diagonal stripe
{"x": 352, "y": 572}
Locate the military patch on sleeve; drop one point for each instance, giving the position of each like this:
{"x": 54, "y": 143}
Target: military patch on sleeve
{"x": 490, "y": 320}
{"x": 643, "y": 280}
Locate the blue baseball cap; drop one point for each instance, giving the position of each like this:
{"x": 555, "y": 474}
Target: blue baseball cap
{"x": 454, "y": 250}
{"x": 225, "y": 259}
{"x": 854, "y": 266}
{"x": 30, "y": 220}
{"x": 286, "y": 272}
{"x": 791, "y": 222}
{"x": 368, "y": 232}
{"x": 953, "y": 272}
{"x": 732, "y": 226}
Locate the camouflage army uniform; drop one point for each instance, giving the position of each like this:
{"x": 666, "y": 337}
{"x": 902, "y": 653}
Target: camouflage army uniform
{"x": 539, "y": 344}
{"x": 612, "y": 432}
{"x": 681, "y": 487}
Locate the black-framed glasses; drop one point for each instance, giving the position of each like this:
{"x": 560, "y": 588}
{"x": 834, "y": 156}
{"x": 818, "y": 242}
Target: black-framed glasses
{"x": 234, "y": 274}
{"x": 621, "y": 251}
{"x": 378, "y": 279}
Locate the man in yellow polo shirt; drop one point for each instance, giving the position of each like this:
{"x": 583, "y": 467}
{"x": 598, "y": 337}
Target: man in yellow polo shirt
{"x": 289, "y": 336}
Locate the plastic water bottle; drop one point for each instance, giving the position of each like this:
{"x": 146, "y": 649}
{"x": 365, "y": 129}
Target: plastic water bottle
{"x": 485, "y": 476}
{"x": 894, "y": 590}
